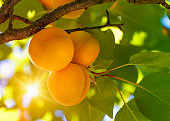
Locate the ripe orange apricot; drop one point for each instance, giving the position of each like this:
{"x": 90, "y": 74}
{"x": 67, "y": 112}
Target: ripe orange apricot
{"x": 46, "y": 3}
{"x": 51, "y": 49}
{"x": 86, "y": 48}
{"x": 70, "y": 85}
{"x": 52, "y": 4}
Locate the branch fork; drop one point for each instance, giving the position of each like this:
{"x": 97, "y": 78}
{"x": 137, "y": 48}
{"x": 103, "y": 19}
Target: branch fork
{"x": 6, "y": 12}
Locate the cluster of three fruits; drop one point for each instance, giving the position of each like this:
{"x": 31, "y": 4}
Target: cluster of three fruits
{"x": 66, "y": 56}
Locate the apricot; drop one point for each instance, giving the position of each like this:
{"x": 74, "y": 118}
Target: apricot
{"x": 51, "y": 49}
{"x": 46, "y": 3}
{"x": 70, "y": 85}
{"x": 71, "y": 15}
{"x": 86, "y": 48}
{"x": 52, "y": 4}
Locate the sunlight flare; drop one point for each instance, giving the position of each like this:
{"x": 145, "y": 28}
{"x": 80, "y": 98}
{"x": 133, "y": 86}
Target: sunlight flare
{"x": 32, "y": 91}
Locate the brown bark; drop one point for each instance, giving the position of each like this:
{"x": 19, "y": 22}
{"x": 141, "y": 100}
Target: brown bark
{"x": 34, "y": 27}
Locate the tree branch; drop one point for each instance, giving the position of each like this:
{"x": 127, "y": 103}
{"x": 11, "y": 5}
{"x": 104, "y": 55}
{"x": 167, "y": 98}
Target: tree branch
{"x": 18, "y": 34}
{"x": 139, "y": 2}
{"x": 34, "y": 27}
{"x": 6, "y": 8}
{"x": 166, "y": 5}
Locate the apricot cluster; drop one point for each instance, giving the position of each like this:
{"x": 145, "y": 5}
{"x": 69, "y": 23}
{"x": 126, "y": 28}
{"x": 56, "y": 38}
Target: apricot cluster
{"x": 52, "y": 4}
{"x": 65, "y": 56}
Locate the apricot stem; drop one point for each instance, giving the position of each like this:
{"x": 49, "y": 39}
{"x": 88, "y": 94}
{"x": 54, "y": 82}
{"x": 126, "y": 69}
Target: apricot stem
{"x": 93, "y": 80}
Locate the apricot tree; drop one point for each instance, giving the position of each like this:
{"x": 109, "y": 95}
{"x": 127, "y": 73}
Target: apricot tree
{"x": 86, "y": 60}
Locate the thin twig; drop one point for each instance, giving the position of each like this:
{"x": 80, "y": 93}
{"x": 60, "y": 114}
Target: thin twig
{"x": 10, "y": 20}
{"x": 108, "y": 24}
{"x": 96, "y": 27}
{"x": 108, "y": 17}
{"x": 6, "y": 8}
{"x": 10, "y": 17}
{"x": 19, "y": 18}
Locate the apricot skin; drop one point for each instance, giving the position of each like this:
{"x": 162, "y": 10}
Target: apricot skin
{"x": 71, "y": 15}
{"x": 70, "y": 85}
{"x": 46, "y": 3}
{"x": 52, "y": 4}
{"x": 86, "y": 48}
{"x": 87, "y": 83}
{"x": 51, "y": 49}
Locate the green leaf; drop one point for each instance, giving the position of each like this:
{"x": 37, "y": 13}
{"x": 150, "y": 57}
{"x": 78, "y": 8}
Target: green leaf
{"x": 121, "y": 57}
{"x": 149, "y": 24}
{"x": 168, "y": 12}
{"x": 107, "y": 41}
{"x": 30, "y": 9}
{"x": 126, "y": 114}
{"x": 66, "y": 23}
{"x": 153, "y": 59}
{"x": 102, "y": 64}
{"x": 153, "y": 96}
{"x": 83, "y": 112}
{"x": 94, "y": 15}
{"x": 4, "y": 51}
{"x": 129, "y": 73}
{"x": 102, "y": 95}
